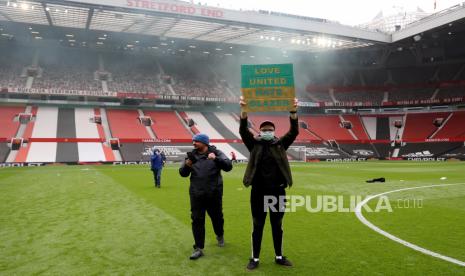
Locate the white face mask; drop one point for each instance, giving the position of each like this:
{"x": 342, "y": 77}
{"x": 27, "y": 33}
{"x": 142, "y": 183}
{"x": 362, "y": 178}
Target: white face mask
{"x": 267, "y": 135}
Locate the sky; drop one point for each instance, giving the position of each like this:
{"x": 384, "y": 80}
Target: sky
{"x": 349, "y": 12}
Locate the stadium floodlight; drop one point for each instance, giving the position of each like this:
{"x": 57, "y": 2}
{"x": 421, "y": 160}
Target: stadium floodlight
{"x": 218, "y": 49}
{"x": 243, "y": 51}
{"x": 192, "y": 46}
{"x": 206, "y": 52}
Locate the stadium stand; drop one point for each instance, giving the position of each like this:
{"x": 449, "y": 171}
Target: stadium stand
{"x": 230, "y": 122}
{"x": 219, "y": 126}
{"x": 327, "y": 127}
{"x": 4, "y": 151}
{"x": 453, "y": 128}
{"x": 420, "y": 125}
{"x": 357, "y": 127}
{"x": 67, "y": 70}
{"x": 85, "y": 128}
{"x": 186, "y": 79}
{"x": 125, "y": 124}
{"x": 166, "y": 125}
{"x": 133, "y": 73}
{"x": 12, "y": 63}
{"x": 282, "y": 125}
{"x": 9, "y": 126}
{"x": 45, "y": 126}
{"x": 66, "y": 128}
{"x": 203, "y": 125}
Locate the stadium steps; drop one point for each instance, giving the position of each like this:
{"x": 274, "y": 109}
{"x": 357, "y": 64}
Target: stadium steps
{"x": 21, "y": 156}
{"x": 9, "y": 128}
{"x": 341, "y": 118}
{"x": 167, "y": 125}
{"x": 369, "y": 122}
{"x": 107, "y": 132}
{"x": 45, "y": 126}
{"x": 382, "y": 128}
{"x": 229, "y": 121}
{"x": 149, "y": 129}
{"x": 85, "y": 128}
{"x": 357, "y": 127}
{"x": 218, "y": 125}
{"x": 203, "y": 125}
{"x": 185, "y": 119}
{"x": 395, "y": 132}
{"x": 66, "y": 128}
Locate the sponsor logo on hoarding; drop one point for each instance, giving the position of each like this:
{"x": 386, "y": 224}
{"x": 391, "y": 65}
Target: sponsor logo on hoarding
{"x": 363, "y": 152}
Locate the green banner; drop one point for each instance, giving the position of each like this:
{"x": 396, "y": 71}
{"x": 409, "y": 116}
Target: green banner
{"x": 268, "y": 87}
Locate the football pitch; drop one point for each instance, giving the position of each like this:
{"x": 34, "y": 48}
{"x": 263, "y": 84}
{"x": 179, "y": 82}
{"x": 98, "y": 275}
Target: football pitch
{"x": 99, "y": 220}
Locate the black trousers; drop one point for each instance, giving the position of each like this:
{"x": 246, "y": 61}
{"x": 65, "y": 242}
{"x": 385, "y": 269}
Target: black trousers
{"x": 258, "y": 198}
{"x": 211, "y": 204}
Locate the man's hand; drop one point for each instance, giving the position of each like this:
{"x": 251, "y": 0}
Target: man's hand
{"x": 296, "y": 102}
{"x": 294, "y": 109}
{"x": 211, "y": 156}
{"x": 242, "y": 103}
{"x": 188, "y": 162}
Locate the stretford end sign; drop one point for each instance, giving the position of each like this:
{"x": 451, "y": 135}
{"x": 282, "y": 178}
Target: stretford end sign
{"x": 268, "y": 87}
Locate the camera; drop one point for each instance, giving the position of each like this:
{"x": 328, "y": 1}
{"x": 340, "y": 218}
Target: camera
{"x": 190, "y": 156}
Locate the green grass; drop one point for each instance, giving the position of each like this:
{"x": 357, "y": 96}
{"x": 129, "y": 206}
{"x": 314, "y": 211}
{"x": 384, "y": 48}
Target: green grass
{"x": 79, "y": 220}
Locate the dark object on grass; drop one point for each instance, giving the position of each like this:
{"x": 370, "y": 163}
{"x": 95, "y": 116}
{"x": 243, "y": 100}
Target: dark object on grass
{"x": 381, "y": 179}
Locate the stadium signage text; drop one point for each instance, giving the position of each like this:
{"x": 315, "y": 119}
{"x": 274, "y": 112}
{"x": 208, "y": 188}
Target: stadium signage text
{"x": 175, "y": 8}
{"x": 10, "y": 165}
{"x": 268, "y": 87}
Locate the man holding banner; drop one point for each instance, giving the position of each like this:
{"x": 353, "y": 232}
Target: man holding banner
{"x": 266, "y": 88}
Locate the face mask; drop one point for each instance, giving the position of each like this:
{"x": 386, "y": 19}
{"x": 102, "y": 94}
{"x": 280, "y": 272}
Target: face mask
{"x": 267, "y": 135}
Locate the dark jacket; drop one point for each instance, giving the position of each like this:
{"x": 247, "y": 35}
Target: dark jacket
{"x": 205, "y": 175}
{"x": 278, "y": 149}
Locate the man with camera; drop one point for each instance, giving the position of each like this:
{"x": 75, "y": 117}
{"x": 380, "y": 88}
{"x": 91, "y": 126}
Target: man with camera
{"x": 204, "y": 165}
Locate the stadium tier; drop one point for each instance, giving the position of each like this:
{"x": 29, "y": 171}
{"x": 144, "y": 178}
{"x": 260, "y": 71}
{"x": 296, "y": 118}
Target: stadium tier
{"x": 421, "y": 126}
{"x": 166, "y": 125}
{"x": 82, "y": 134}
{"x": 126, "y": 124}
{"x": 454, "y": 127}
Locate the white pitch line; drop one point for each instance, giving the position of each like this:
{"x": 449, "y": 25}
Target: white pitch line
{"x": 358, "y": 213}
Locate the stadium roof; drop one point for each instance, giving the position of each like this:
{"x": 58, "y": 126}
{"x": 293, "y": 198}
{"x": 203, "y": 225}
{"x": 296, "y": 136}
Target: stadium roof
{"x": 181, "y": 20}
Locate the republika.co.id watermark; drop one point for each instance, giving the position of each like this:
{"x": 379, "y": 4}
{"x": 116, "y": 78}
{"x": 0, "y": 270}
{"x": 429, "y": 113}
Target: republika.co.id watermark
{"x": 332, "y": 203}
